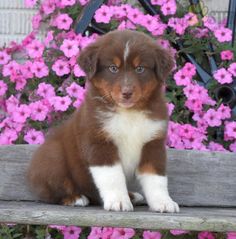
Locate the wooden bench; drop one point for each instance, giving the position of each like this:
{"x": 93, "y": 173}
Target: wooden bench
{"x": 203, "y": 183}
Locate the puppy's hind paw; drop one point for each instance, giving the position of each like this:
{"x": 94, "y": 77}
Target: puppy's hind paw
{"x": 79, "y": 201}
{"x": 136, "y": 198}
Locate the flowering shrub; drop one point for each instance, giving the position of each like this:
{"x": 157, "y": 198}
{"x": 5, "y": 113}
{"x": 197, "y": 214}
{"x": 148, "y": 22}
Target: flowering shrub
{"x": 48, "y": 84}
{"x": 72, "y": 232}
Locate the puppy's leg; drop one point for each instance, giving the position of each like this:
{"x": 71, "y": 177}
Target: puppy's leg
{"x": 153, "y": 180}
{"x": 109, "y": 177}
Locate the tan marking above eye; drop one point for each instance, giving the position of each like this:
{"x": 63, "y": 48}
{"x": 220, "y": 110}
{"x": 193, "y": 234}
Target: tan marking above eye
{"x": 136, "y": 61}
{"x": 117, "y": 61}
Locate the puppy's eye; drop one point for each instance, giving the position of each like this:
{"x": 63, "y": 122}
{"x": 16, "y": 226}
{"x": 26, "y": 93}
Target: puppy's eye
{"x": 139, "y": 69}
{"x": 113, "y": 69}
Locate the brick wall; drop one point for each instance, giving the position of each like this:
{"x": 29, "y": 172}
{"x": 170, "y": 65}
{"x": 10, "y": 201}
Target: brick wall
{"x": 15, "y": 19}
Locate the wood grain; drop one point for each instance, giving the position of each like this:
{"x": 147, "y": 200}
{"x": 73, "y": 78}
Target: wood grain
{"x": 197, "y": 219}
{"x": 196, "y": 178}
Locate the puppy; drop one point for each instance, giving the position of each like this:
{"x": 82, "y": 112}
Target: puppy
{"x": 118, "y": 134}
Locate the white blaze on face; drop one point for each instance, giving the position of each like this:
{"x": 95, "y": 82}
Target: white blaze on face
{"x": 126, "y": 51}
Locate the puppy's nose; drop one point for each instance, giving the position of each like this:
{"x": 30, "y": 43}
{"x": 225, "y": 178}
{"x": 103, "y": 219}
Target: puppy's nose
{"x": 127, "y": 93}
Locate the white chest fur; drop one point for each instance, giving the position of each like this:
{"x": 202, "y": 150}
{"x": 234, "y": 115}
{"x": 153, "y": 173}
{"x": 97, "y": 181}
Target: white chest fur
{"x": 130, "y": 130}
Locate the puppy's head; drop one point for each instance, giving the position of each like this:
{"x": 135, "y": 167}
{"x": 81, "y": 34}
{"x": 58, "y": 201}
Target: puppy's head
{"x": 126, "y": 67}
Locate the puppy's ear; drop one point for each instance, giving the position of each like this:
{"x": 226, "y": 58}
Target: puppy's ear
{"x": 164, "y": 63}
{"x": 88, "y": 60}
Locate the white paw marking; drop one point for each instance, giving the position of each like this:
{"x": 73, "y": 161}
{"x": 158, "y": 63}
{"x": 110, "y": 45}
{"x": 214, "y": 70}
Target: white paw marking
{"x": 82, "y": 201}
{"x": 138, "y": 198}
{"x": 118, "y": 203}
{"x": 165, "y": 204}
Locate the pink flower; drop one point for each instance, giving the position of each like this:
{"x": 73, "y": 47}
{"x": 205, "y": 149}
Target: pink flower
{"x": 231, "y": 235}
{"x": 9, "y": 68}
{"x": 60, "y": 103}
{"x": 21, "y": 113}
{"x": 149, "y": 22}
{"x": 103, "y": 14}
{"x": 224, "y": 112}
{"x": 4, "y": 58}
{"x": 61, "y": 67}
{"x": 49, "y": 38}
{"x": 83, "y": 2}
{"x": 216, "y": 147}
{"x": 11, "y": 104}
{"x": 26, "y": 70}
{"x": 199, "y": 93}
{"x": 66, "y": 3}
{"x": 178, "y": 232}
{"x": 30, "y": 3}
{"x": 230, "y": 129}
{"x": 40, "y": 69}
{"x": 45, "y": 90}
{"x": 36, "y": 20}
{"x": 187, "y": 131}
{"x": 232, "y": 69}
{"x": 206, "y": 235}
{"x": 232, "y": 147}
{"x": 58, "y": 227}
{"x": 20, "y": 83}
{"x": 48, "y": 6}
{"x": 168, "y": 8}
{"x": 28, "y": 39}
{"x": 63, "y": 21}
{"x": 34, "y": 137}
{"x": 3, "y": 88}
{"x": 227, "y": 55}
{"x": 223, "y": 34}
{"x": 8, "y": 136}
{"x": 181, "y": 79}
{"x": 70, "y": 47}
{"x": 191, "y": 18}
{"x": 212, "y": 118}
{"x": 71, "y": 232}
{"x": 35, "y": 49}
{"x": 189, "y": 69}
{"x": 223, "y": 76}
{"x": 107, "y": 232}
{"x": 210, "y": 23}
{"x": 135, "y": 15}
{"x": 95, "y": 233}
{"x": 170, "y": 108}
{"x": 158, "y": 2}
{"x": 151, "y": 235}
{"x": 178, "y": 24}
{"x": 122, "y": 233}
{"x": 75, "y": 90}
{"x": 38, "y": 111}
{"x": 78, "y": 72}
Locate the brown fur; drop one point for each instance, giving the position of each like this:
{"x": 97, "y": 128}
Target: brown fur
{"x": 59, "y": 170}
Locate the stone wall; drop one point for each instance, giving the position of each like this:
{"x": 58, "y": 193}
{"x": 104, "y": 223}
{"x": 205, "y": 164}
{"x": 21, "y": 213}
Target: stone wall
{"x": 15, "y": 19}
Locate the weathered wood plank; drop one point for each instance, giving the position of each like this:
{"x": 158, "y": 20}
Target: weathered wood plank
{"x": 196, "y": 178}
{"x": 199, "y": 219}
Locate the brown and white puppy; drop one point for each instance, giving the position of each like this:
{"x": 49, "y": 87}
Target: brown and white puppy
{"x": 118, "y": 134}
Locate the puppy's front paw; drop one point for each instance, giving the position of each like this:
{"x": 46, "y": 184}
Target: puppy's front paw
{"x": 119, "y": 203}
{"x": 163, "y": 204}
